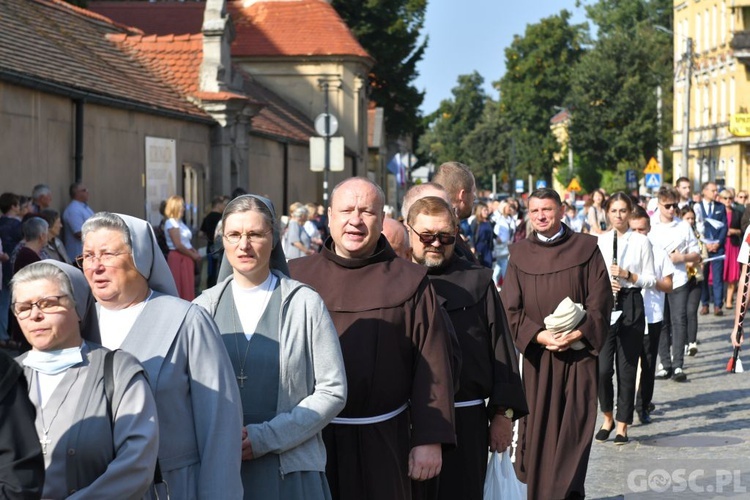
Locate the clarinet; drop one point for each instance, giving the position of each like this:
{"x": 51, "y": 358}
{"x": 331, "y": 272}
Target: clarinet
{"x": 614, "y": 262}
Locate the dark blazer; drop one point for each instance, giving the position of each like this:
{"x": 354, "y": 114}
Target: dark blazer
{"x": 736, "y": 223}
{"x": 711, "y": 233}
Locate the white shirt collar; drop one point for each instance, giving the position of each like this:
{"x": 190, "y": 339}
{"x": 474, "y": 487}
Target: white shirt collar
{"x": 552, "y": 238}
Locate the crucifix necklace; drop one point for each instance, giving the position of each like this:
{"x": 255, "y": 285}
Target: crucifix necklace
{"x": 44, "y": 440}
{"x": 242, "y": 377}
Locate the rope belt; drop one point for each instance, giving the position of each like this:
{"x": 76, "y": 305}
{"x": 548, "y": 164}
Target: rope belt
{"x": 464, "y": 404}
{"x": 371, "y": 420}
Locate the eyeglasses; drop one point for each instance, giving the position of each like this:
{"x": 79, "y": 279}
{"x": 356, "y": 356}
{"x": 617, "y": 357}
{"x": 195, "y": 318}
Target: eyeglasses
{"x": 235, "y": 237}
{"x": 106, "y": 259}
{"x": 669, "y": 206}
{"x": 727, "y": 198}
{"x": 50, "y": 304}
{"x": 429, "y": 238}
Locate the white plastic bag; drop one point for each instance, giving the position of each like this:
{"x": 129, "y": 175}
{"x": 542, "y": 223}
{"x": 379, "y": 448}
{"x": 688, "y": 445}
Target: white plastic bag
{"x": 501, "y": 482}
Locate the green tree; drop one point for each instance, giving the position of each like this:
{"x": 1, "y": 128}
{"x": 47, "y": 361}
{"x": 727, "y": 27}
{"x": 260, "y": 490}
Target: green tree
{"x": 448, "y": 127}
{"x": 613, "y": 91}
{"x": 488, "y": 147}
{"x": 539, "y": 66}
{"x": 390, "y": 31}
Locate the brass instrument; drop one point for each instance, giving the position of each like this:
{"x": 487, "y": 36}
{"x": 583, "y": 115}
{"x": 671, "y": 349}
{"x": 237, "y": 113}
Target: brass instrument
{"x": 696, "y": 270}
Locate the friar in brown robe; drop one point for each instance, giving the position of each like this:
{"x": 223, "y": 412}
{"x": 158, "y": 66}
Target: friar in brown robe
{"x": 394, "y": 339}
{"x": 560, "y": 381}
{"x": 490, "y": 369}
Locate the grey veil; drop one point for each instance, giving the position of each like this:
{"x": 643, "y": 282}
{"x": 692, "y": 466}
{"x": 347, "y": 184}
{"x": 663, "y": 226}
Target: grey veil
{"x": 85, "y": 303}
{"x": 278, "y": 259}
{"x": 147, "y": 256}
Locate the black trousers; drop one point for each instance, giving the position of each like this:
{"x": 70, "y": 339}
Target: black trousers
{"x": 648, "y": 366}
{"x": 623, "y": 346}
{"x": 675, "y": 308}
{"x": 693, "y": 301}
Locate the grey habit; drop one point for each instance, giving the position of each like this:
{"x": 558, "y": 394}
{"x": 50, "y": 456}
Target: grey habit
{"x": 78, "y": 461}
{"x": 200, "y": 412}
{"x": 295, "y": 382}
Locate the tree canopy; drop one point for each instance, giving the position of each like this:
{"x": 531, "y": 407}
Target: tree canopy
{"x": 453, "y": 121}
{"x": 390, "y": 31}
{"x": 539, "y": 66}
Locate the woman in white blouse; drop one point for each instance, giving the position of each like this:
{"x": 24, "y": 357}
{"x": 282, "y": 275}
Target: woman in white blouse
{"x": 182, "y": 256}
{"x": 631, "y": 268}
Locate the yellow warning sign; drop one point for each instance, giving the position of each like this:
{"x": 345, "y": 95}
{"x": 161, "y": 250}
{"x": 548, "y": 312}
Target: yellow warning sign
{"x": 574, "y": 185}
{"x": 653, "y": 167}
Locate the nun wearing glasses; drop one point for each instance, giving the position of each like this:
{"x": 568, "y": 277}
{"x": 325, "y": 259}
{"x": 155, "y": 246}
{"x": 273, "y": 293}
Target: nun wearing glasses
{"x": 285, "y": 354}
{"x": 188, "y": 368}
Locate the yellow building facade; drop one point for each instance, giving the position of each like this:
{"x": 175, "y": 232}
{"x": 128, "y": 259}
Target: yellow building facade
{"x": 719, "y": 97}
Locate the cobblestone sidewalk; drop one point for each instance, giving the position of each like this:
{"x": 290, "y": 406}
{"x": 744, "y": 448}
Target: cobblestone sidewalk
{"x": 698, "y": 445}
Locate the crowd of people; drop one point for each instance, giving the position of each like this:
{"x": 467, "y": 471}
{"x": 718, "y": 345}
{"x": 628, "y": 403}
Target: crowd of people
{"x": 351, "y": 353}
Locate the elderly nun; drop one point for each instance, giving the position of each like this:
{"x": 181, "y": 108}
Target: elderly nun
{"x": 200, "y": 419}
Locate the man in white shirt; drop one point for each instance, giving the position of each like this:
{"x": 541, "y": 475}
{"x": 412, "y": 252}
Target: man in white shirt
{"x": 676, "y": 238}
{"x": 75, "y": 214}
{"x": 653, "y": 303}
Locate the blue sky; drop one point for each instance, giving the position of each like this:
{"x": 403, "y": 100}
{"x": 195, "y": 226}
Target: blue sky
{"x": 472, "y": 35}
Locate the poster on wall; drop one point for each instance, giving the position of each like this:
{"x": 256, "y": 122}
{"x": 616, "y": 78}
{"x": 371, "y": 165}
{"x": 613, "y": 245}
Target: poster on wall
{"x": 161, "y": 169}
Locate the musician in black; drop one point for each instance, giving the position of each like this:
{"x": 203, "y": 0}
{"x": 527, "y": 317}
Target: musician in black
{"x": 631, "y": 268}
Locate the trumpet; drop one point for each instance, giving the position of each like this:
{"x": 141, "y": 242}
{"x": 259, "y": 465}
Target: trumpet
{"x": 694, "y": 270}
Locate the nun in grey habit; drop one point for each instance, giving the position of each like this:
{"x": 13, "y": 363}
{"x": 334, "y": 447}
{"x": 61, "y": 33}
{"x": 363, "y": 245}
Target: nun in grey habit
{"x": 92, "y": 448}
{"x": 200, "y": 417}
{"x": 285, "y": 353}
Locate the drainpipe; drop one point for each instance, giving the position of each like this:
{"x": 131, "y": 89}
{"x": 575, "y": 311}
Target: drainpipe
{"x": 78, "y": 153}
{"x": 285, "y": 180}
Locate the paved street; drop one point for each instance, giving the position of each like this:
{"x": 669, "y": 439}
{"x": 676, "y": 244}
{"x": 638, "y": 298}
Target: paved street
{"x": 698, "y": 445}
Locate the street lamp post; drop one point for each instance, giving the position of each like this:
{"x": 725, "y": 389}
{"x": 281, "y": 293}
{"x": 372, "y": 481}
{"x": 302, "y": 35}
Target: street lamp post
{"x": 687, "y": 60}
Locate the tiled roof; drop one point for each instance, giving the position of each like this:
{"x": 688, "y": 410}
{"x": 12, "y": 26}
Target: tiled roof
{"x": 155, "y": 18}
{"x": 561, "y": 117}
{"x": 55, "y": 43}
{"x": 269, "y": 28}
{"x": 178, "y": 59}
{"x": 292, "y": 28}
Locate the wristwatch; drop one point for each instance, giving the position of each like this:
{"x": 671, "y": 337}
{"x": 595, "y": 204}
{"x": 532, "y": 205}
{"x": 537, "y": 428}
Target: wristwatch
{"x": 507, "y": 413}
{"x": 630, "y": 275}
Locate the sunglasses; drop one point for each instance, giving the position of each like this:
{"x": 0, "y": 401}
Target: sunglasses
{"x": 429, "y": 238}
{"x": 669, "y": 206}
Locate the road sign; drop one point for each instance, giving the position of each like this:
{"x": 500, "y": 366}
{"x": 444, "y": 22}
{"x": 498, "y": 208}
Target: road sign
{"x": 318, "y": 154}
{"x": 320, "y": 124}
{"x": 653, "y": 167}
{"x": 519, "y": 185}
{"x": 653, "y": 181}
{"x": 574, "y": 186}
{"x": 631, "y": 179}
{"x": 541, "y": 183}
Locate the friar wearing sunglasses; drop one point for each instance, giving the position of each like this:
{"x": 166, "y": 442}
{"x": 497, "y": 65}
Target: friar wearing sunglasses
{"x": 490, "y": 370}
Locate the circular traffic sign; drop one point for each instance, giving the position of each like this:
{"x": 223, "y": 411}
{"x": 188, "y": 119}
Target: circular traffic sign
{"x": 320, "y": 124}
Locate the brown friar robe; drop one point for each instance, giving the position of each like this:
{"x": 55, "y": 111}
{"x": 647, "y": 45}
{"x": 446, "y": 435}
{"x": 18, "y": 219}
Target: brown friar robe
{"x": 489, "y": 371}
{"x": 394, "y": 339}
{"x": 561, "y": 388}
